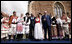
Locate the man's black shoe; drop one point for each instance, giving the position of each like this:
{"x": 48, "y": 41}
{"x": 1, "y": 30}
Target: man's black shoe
{"x": 45, "y": 39}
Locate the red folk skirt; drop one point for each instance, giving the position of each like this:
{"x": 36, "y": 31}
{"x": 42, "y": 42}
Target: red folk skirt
{"x": 19, "y": 28}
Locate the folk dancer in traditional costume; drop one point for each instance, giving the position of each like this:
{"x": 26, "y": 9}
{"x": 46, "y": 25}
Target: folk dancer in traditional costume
{"x": 40, "y": 19}
{"x": 10, "y": 33}
{"x": 59, "y": 28}
{"x": 12, "y": 24}
{"x": 4, "y": 26}
{"x": 26, "y": 26}
{"x": 70, "y": 27}
{"x": 54, "y": 29}
{"x": 19, "y": 29}
{"x": 41, "y": 23}
{"x": 38, "y": 32}
{"x": 65, "y": 21}
{"x": 69, "y": 24}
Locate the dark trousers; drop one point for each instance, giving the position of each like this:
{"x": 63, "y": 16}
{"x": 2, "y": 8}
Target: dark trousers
{"x": 3, "y": 38}
{"x": 19, "y": 36}
{"x": 58, "y": 30}
{"x": 49, "y": 32}
{"x": 9, "y": 37}
{"x": 14, "y": 37}
{"x": 31, "y": 34}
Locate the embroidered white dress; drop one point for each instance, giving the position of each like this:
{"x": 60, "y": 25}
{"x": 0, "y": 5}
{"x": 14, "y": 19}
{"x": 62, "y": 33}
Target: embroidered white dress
{"x": 4, "y": 27}
{"x": 38, "y": 32}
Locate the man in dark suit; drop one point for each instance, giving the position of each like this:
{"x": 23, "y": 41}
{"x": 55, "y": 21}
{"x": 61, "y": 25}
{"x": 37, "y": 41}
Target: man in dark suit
{"x": 32, "y": 24}
{"x": 46, "y": 22}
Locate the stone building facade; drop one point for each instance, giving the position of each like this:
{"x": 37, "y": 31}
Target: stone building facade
{"x": 52, "y": 7}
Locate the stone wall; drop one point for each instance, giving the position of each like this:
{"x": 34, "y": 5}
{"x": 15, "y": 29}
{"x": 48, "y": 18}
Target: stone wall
{"x": 41, "y": 6}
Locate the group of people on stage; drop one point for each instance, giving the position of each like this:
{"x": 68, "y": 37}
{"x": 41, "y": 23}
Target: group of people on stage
{"x": 31, "y": 27}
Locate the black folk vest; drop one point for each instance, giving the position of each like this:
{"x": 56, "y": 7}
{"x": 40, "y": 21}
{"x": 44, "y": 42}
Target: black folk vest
{"x": 27, "y": 19}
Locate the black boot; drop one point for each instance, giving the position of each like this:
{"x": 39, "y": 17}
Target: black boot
{"x": 4, "y": 39}
{"x": 21, "y": 36}
{"x": 9, "y": 37}
{"x": 27, "y": 36}
{"x": 17, "y": 38}
{"x": 14, "y": 37}
{"x": 67, "y": 36}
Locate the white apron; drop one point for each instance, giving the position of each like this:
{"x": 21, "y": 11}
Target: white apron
{"x": 38, "y": 32}
{"x": 19, "y": 29}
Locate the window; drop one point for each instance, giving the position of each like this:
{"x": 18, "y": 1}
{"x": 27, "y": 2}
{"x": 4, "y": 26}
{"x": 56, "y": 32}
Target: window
{"x": 58, "y": 9}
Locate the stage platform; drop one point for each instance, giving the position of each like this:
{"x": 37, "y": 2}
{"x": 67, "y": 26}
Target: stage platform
{"x": 32, "y": 41}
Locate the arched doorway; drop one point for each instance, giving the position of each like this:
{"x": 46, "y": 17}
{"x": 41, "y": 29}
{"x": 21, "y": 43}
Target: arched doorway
{"x": 58, "y": 9}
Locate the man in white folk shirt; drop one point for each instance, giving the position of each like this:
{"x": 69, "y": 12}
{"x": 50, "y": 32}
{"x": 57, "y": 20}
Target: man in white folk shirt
{"x": 12, "y": 24}
{"x": 59, "y": 28}
{"x": 65, "y": 26}
{"x": 26, "y": 26}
